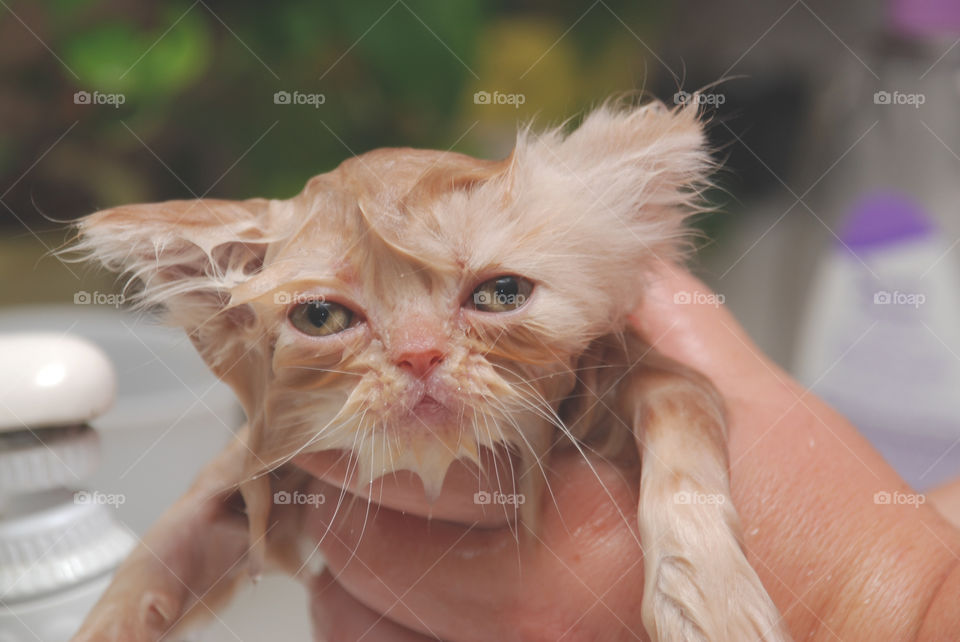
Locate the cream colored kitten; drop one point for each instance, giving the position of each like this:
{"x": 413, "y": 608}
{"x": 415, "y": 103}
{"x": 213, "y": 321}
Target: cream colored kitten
{"x": 416, "y": 307}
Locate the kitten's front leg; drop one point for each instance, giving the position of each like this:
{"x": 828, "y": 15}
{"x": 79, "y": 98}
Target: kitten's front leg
{"x": 186, "y": 566}
{"x": 699, "y": 585}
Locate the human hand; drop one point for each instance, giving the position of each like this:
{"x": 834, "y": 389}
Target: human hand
{"x": 837, "y": 564}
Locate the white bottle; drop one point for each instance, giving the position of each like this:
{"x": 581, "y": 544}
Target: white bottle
{"x": 58, "y": 545}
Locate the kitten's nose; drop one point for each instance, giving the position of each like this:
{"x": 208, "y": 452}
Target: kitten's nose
{"x": 420, "y": 363}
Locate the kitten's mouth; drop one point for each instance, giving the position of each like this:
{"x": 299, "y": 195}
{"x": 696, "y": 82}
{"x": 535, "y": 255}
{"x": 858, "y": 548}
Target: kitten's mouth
{"x": 428, "y": 402}
{"x": 428, "y": 408}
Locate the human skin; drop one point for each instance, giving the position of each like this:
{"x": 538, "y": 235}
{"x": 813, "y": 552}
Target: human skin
{"x": 837, "y": 564}
{"x": 946, "y": 499}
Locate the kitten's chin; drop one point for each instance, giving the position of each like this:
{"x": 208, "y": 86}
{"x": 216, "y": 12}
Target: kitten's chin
{"x": 425, "y": 436}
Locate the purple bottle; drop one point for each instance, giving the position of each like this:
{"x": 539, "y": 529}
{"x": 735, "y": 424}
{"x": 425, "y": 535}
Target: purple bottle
{"x": 880, "y": 339}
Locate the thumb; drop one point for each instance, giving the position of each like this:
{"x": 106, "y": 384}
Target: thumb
{"x": 685, "y": 320}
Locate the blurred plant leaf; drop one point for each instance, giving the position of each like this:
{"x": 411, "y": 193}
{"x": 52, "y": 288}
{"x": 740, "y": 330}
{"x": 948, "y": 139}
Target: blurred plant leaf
{"x": 100, "y": 55}
{"x": 66, "y": 9}
{"x": 116, "y": 57}
{"x": 178, "y": 58}
{"x": 418, "y": 51}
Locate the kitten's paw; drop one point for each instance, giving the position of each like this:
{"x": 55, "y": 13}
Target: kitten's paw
{"x": 706, "y": 592}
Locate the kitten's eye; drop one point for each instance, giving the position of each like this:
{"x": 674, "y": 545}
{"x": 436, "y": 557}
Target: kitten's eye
{"x": 321, "y": 318}
{"x": 502, "y": 294}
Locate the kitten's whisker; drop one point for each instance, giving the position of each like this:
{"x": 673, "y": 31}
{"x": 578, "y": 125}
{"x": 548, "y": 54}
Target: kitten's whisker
{"x": 318, "y": 434}
{"x": 528, "y": 404}
{"x": 315, "y": 436}
{"x": 497, "y": 474}
{"x": 387, "y": 456}
{"x": 538, "y": 458}
{"x": 394, "y": 471}
{"x": 346, "y": 482}
{"x": 353, "y": 501}
{"x": 368, "y": 493}
{"x": 317, "y": 369}
{"x": 514, "y": 525}
{"x": 548, "y": 376}
{"x": 316, "y": 548}
{"x": 580, "y": 448}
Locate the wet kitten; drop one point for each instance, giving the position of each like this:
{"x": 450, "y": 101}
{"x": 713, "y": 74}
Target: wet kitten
{"x": 415, "y": 307}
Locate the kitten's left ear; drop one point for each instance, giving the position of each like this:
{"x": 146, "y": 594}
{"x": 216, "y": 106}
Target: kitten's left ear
{"x": 651, "y": 149}
{"x": 645, "y": 166}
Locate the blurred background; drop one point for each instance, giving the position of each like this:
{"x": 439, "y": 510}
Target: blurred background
{"x": 833, "y": 240}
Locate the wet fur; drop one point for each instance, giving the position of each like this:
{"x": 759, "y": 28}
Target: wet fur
{"x": 406, "y": 235}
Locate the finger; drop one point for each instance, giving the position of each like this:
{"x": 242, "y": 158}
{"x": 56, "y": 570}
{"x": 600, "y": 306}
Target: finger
{"x": 946, "y": 499}
{"x": 338, "y": 616}
{"x": 685, "y": 321}
{"x": 763, "y": 400}
{"x": 580, "y": 570}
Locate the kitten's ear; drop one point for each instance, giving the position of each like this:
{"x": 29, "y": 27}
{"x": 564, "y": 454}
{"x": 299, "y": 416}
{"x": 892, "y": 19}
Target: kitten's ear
{"x": 182, "y": 255}
{"x": 651, "y": 149}
{"x": 185, "y": 257}
{"x": 646, "y": 166}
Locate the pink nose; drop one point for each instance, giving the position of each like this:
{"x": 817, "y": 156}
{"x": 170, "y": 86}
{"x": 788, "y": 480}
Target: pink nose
{"x": 420, "y": 363}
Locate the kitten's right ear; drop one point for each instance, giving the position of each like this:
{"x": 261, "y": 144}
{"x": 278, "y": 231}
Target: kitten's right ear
{"x": 184, "y": 255}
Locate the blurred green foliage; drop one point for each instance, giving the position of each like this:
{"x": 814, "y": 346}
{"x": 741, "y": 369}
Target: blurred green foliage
{"x": 198, "y": 81}
{"x": 116, "y": 57}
